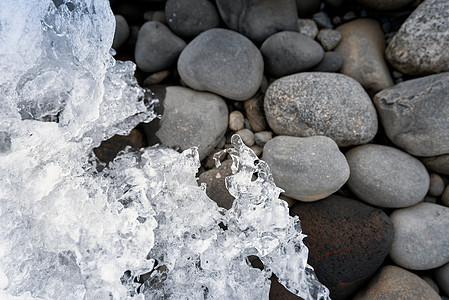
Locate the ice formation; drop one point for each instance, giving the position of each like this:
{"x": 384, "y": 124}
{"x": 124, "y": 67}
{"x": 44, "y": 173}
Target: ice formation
{"x": 140, "y": 227}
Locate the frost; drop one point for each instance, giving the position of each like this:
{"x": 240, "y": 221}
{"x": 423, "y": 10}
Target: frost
{"x": 139, "y": 227}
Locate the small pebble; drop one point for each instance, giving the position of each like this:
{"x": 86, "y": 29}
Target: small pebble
{"x": 158, "y": 15}
{"x": 436, "y": 187}
{"x": 255, "y": 113}
{"x": 322, "y": 20}
{"x": 121, "y": 31}
{"x": 329, "y": 38}
{"x": 445, "y": 196}
{"x": 156, "y": 78}
{"x": 349, "y": 16}
{"x": 257, "y": 149}
{"x": 236, "y": 120}
{"x": 262, "y": 137}
{"x": 247, "y": 136}
{"x": 307, "y": 27}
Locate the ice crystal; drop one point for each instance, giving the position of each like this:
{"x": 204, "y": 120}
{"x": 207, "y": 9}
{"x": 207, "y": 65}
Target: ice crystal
{"x": 140, "y": 227}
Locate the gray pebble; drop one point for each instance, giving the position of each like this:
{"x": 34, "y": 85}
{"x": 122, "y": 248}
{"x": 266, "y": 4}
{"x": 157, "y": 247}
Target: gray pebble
{"x": 436, "y": 187}
{"x": 157, "y": 48}
{"x": 331, "y": 62}
{"x": 223, "y": 62}
{"x": 322, "y": 20}
{"x": 421, "y": 237}
{"x": 121, "y": 31}
{"x": 386, "y": 177}
{"x": 236, "y": 120}
{"x": 247, "y": 136}
{"x": 307, "y": 27}
{"x": 438, "y": 164}
{"x": 290, "y": 52}
{"x": 254, "y": 112}
{"x": 442, "y": 278}
{"x": 329, "y": 38}
{"x": 445, "y": 196}
{"x": 263, "y": 137}
{"x": 156, "y": 78}
{"x": 329, "y": 104}
{"x": 307, "y": 169}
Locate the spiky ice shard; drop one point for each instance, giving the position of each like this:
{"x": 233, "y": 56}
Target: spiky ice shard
{"x": 141, "y": 227}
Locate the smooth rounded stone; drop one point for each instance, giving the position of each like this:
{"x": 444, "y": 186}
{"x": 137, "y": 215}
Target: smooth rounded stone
{"x": 236, "y": 120}
{"x": 331, "y": 62}
{"x": 347, "y": 240}
{"x": 322, "y": 20}
{"x": 385, "y": 4}
{"x": 254, "y": 112}
{"x": 188, "y": 113}
{"x": 188, "y": 18}
{"x": 431, "y": 283}
{"x": 438, "y": 164}
{"x": 316, "y": 103}
{"x": 386, "y": 177}
{"x": 215, "y": 184}
{"x": 157, "y": 15}
{"x": 445, "y": 196}
{"x": 257, "y": 149}
{"x": 157, "y": 48}
{"x": 263, "y": 137}
{"x": 121, "y": 31}
{"x": 223, "y": 62}
{"x": 306, "y": 8}
{"x": 257, "y": 20}
{"x": 329, "y": 38}
{"x": 362, "y": 47}
{"x": 421, "y": 45}
{"x": 290, "y": 52}
{"x": 437, "y": 186}
{"x": 307, "y": 169}
{"x": 308, "y": 27}
{"x": 392, "y": 282}
{"x": 247, "y": 136}
{"x": 442, "y": 278}
{"x": 156, "y": 78}
{"x": 421, "y": 236}
{"x": 414, "y": 114}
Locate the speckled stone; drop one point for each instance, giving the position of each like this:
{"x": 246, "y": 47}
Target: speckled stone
{"x": 347, "y": 239}
{"x": 362, "y": 48}
{"x": 247, "y": 136}
{"x": 385, "y": 4}
{"x": 421, "y": 45}
{"x": 289, "y": 52}
{"x": 224, "y": 62}
{"x": 215, "y": 184}
{"x": 307, "y": 169}
{"x": 414, "y": 114}
{"x": 254, "y": 112}
{"x": 316, "y": 103}
{"x": 438, "y": 164}
{"x": 421, "y": 236}
{"x": 307, "y": 27}
{"x": 329, "y": 38}
{"x": 385, "y": 176}
{"x": 392, "y": 282}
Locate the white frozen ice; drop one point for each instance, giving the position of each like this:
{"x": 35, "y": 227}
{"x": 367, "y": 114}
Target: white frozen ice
{"x": 141, "y": 227}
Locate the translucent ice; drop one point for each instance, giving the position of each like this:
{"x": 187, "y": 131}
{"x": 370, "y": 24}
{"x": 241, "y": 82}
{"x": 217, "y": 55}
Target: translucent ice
{"x": 140, "y": 227}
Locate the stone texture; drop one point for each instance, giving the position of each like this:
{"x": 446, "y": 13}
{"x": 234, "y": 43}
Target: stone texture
{"x": 442, "y": 278}
{"x": 307, "y": 169}
{"x": 254, "y": 113}
{"x": 414, "y": 114}
{"x": 215, "y": 184}
{"x": 258, "y": 19}
{"x": 421, "y": 45}
{"x": 307, "y": 27}
{"x": 436, "y": 187}
{"x": 121, "y": 31}
{"x": 392, "y": 282}
{"x": 445, "y": 196}
{"x": 385, "y": 176}
{"x": 362, "y": 48}
{"x": 188, "y": 18}
{"x": 186, "y": 114}
{"x": 263, "y": 137}
{"x": 236, "y": 120}
{"x": 157, "y": 48}
{"x": 347, "y": 239}
{"x": 331, "y": 62}
{"x": 223, "y": 62}
{"x": 329, "y": 38}
{"x": 247, "y": 136}
{"x": 421, "y": 236}
{"x": 156, "y": 78}
{"x": 329, "y": 104}
{"x": 279, "y": 292}
{"x": 385, "y": 4}
{"x": 290, "y": 52}
{"x": 438, "y": 164}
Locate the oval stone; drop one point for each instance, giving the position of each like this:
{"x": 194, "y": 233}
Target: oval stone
{"x": 421, "y": 236}
{"x": 387, "y": 177}
{"x": 224, "y": 62}
{"x": 315, "y": 103}
{"x": 307, "y": 169}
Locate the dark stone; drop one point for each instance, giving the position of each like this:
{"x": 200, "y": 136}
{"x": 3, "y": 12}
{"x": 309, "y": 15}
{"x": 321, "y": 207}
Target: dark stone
{"x": 329, "y": 38}
{"x": 223, "y": 62}
{"x": 322, "y": 20}
{"x": 347, "y": 239}
{"x": 385, "y": 4}
{"x": 306, "y": 8}
{"x": 331, "y": 62}
{"x": 442, "y": 278}
{"x": 392, "y": 282}
{"x": 254, "y": 112}
{"x": 436, "y": 187}
{"x": 385, "y": 176}
{"x": 258, "y": 19}
{"x": 438, "y": 164}
{"x": 415, "y": 113}
{"x": 290, "y": 52}
{"x": 121, "y": 31}
{"x": 157, "y": 48}
{"x": 420, "y": 47}
{"x": 307, "y": 169}
{"x": 188, "y": 18}
{"x": 279, "y": 292}
{"x": 329, "y": 104}
{"x": 421, "y": 239}
{"x": 215, "y": 184}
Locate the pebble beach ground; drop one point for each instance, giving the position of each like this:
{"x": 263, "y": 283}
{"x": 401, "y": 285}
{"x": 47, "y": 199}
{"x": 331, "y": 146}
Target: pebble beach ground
{"x": 348, "y": 102}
